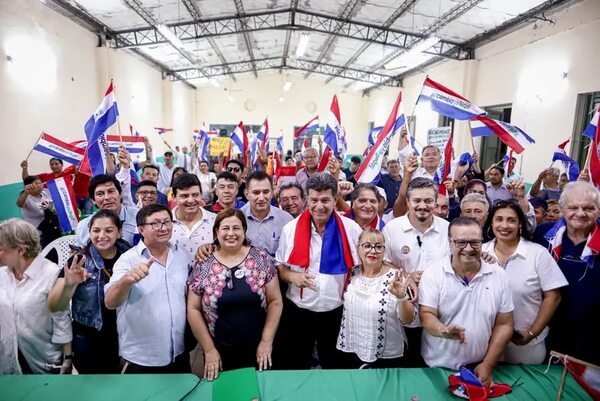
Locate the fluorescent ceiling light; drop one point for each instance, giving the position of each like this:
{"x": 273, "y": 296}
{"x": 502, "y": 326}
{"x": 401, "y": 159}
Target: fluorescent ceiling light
{"x": 414, "y": 55}
{"x": 302, "y": 44}
{"x": 287, "y": 85}
{"x": 169, "y": 36}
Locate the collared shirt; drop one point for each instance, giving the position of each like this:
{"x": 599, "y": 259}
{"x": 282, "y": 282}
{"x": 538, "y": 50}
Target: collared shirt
{"x": 330, "y": 286}
{"x": 501, "y": 193}
{"x": 530, "y": 270}
{"x": 302, "y": 176}
{"x": 26, "y": 323}
{"x": 126, "y": 215}
{"x": 473, "y": 306}
{"x": 165, "y": 174}
{"x": 189, "y": 240}
{"x": 413, "y": 250}
{"x": 265, "y": 233}
{"x": 151, "y": 321}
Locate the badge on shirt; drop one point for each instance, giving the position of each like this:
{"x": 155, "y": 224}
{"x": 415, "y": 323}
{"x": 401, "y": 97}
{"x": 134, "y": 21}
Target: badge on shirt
{"x": 239, "y": 273}
{"x": 405, "y": 249}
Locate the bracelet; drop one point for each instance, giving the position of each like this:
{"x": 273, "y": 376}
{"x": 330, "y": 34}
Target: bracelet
{"x": 531, "y": 334}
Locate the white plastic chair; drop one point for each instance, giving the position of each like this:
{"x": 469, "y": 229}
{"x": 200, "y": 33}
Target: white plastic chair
{"x": 62, "y": 248}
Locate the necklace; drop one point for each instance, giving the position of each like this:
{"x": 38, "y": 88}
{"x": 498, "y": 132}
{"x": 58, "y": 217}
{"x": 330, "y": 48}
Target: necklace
{"x": 368, "y": 285}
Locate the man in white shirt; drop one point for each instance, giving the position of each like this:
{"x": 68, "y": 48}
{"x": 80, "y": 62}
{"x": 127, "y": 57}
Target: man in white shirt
{"x": 184, "y": 159}
{"x": 148, "y": 289}
{"x": 313, "y": 303}
{"x": 192, "y": 225}
{"x": 265, "y": 222}
{"x": 414, "y": 242}
{"x": 465, "y": 306}
{"x": 430, "y": 160}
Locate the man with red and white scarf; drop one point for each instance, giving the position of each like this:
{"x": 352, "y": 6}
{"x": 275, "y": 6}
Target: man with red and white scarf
{"x": 316, "y": 254}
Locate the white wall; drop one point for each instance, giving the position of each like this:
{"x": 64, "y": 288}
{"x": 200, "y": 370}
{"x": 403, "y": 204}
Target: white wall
{"x": 525, "y": 69}
{"x": 62, "y": 79}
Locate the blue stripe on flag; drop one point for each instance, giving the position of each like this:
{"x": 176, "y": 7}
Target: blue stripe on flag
{"x": 61, "y": 212}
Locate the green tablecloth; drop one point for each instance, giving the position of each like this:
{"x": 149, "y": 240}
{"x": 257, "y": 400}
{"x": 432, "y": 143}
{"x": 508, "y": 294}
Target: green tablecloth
{"x": 311, "y": 385}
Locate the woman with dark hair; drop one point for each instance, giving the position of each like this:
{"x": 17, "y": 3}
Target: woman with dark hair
{"x": 234, "y": 301}
{"x": 534, "y": 278}
{"x": 81, "y": 282}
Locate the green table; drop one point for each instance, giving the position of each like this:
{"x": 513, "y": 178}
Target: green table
{"x": 310, "y": 385}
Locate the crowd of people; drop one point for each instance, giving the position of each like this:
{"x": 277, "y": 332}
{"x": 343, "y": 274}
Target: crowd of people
{"x": 315, "y": 271}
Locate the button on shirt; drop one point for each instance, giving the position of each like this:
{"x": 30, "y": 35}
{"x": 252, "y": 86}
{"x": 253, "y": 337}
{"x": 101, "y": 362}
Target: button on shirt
{"x": 25, "y": 321}
{"x": 189, "y": 240}
{"x": 330, "y": 286}
{"x": 151, "y": 321}
{"x": 413, "y": 250}
{"x": 473, "y": 306}
{"x": 530, "y": 270}
{"x": 127, "y": 217}
{"x": 265, "y": 233}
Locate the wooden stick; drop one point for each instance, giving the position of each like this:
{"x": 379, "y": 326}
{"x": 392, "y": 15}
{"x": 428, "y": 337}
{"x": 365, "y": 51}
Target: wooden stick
{"x": 472, "y": 139}
{"x": 33, "y": 148}
{"x": 562, "y": 383}
{"x": 570, "y": 358}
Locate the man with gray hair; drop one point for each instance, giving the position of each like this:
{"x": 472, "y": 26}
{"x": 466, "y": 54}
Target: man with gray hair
{"x": 311, "y": 163}
{"x": 475, "y": 206}
{"x": 573, "y": 241}
{"x": 417, "y": 241}
{"x": 316, "y": 254}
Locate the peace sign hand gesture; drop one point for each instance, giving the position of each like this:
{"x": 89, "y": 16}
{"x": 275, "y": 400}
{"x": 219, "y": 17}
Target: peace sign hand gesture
{"x": 75, "y": 274}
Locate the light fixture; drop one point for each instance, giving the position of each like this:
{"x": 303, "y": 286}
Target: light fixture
{"x": 169, "y": 36}
{"x": 231, "y": 98}
{"x": 302, "y": 44}
{"x": 287, "y": 85}
{"x": 214, "y": 82}
{"x": 414, "y": 55}
{"x": 281, "y": 99}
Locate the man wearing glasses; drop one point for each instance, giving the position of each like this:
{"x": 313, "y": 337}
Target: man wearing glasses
{"x": 465, "y": 306}
{"x": 148, "y": 289}
{"x": 311, "y": 163}
{"x": 147, "y": 193}
{"x": 236, "y": 167}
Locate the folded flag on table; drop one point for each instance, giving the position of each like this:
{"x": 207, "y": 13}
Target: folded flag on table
{"x": 447, "y": 102}
{"x": 63, "y": 197}
{"x": 511, "y": 135}
{"x": 466, "y": 385}
{"x": 54, "y": 147}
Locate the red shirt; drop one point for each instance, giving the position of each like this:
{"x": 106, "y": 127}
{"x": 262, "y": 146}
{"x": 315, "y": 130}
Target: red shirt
{"x": 80, "y": 183}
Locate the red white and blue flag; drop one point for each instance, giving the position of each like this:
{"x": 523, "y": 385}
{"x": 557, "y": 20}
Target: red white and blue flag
{"x": 444, "y": 171}
{"x": 63, "y": 197}
{"x": 161, "y": 131}
{"x": 310, "y": 123}
{"x": 104, "y": 117}
{"x": 570, "y": 165}
{"x": 447, "y": 102}
{"x": 94, "y": 161}
{"x": 555, "y": 236}
{"x": 263, "y": 133}
{"x": 240, "y": 138}
{"x": 133, "y": 131}
{"x": 203, "y": 141}
{"x": 370, "y": 167}
{"x": 333, "y": 129}
{"x": 54, "y": 147}
{"x": 511, "y": 135}
{"x": 280, "y": 142}
{"x": 595, "y": 159}
{"x": 588, "y": 377}
{"x": 590, "y": 130}
{"x": 133, "y": 144}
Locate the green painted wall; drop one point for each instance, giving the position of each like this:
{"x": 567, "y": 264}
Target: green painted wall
{"x": 8, "y": 196}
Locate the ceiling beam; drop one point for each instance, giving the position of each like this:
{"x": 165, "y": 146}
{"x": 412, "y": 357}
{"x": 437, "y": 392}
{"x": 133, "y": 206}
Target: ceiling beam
{"x": 192, "y": 8}
{"x": 277, "y": 62}
{"x": 392, "y": 18}
{"x": 288, "y": 32}
{"x": 284, "y": 19}
{"x": 239, "y": 6}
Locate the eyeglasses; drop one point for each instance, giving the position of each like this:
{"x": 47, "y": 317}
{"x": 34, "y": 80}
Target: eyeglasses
{"x": 147, "y": 193}
{"x": 462, "y": 244}
{"x": 367, "y": 247}
{"x": 234, "y": 169}
{"x": 158, "y": 225}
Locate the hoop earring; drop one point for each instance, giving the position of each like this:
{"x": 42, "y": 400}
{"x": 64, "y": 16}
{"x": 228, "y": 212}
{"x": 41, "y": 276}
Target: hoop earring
{"x": 489, "y": 232}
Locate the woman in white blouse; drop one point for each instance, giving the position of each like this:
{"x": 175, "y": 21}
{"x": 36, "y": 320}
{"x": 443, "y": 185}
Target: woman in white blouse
{"x": 534, "y": 278}
{"x": 376, "y": 306}
{"x": 32, "y": 339}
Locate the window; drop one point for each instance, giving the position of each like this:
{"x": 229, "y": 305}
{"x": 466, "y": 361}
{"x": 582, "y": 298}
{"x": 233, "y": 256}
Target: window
{"x": 587, "y": 104}
{"x": 492, "y": 149}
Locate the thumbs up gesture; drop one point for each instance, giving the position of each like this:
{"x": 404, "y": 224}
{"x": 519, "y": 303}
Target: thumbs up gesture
{"x": 140, "y": 271}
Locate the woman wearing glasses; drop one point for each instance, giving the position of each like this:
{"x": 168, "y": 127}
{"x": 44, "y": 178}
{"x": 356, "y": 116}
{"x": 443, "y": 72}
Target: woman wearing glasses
{"x": 81, "y": 283}
{"x": 234, "y": 302}
{"x": 534, "y": 278}
{"x": 377, "y": 304}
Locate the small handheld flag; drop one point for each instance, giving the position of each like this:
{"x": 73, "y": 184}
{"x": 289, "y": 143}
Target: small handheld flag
{"x": 447, "y": 102}
{"x": 63, "y": 197}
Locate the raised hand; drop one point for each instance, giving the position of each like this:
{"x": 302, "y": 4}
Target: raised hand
{"x": 24, "y": 164}
{"x": 140, "y": 271}
{"x": 411, "y": 164}
{"x": 75, "y": 273}
{"x": 345, "y": 188}
{"x": 400, "y": 284}
{"x": 517, "y": 188}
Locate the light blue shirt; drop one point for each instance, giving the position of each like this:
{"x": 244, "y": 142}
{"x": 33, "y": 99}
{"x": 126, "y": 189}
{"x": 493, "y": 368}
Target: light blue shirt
{"x": 127, "y": 217}
{"x": 265, "y": 233}
{"x": 151, "y": 321}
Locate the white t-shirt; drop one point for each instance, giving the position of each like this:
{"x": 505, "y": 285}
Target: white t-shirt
{"x": 164, "y": 177}
{"x": 33, "y": 209}
{"x": 473, "y": 306}
{"x": 330, "y": 286}
{"x": 530, "y": 270}
{"x": 206, "y": 181}
{"x": 413, "y": 250}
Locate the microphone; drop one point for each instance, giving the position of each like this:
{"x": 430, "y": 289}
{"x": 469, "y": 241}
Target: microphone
{"x": 419, "y": 241}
